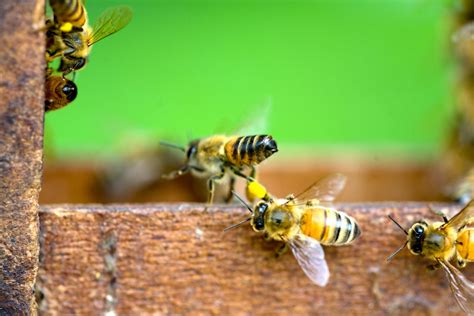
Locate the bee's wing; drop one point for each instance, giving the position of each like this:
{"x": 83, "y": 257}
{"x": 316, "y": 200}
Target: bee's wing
{"x": 462, "y": 288}
{"x": 109, "y": 22}
{"x": 323, "y": 190}
{"x": 460, "y": 219}
{"x": 310, "y": 255}
{"x": 258, "y": 122}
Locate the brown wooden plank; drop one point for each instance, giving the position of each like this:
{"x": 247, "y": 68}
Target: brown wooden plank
{"x": 174, "y": 259}
{"x": 368, "y": 180}
{"x": 21, "y": 141}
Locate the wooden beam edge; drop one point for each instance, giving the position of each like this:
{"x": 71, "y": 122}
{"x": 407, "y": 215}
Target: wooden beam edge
{"x": 21, "y": 149}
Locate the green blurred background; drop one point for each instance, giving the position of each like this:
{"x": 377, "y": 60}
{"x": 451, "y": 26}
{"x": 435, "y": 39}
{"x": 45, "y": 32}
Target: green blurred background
{"x": 354, "y": 74}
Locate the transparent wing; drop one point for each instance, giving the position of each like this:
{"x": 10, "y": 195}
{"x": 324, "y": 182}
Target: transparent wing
{"x": 323, "y": 190}
{"x": 109, "y": 22}
{"x": 310, "y": 255}
{"x": 460, "y": 219}
{"x": 258, "y": 122}
{"x": 462, "y": 288}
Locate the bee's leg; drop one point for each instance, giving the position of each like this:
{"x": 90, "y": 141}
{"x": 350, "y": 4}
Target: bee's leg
{"x": 460, "y": 261}
{"x": 251, "y": 196}
{"x": 51, "y": 55}
{"x": 176, "y": 173}
{"x": 211, "y": 185}
{"x": 281, "y": 250}
{"x": 266, "y": 236}
{"x": 253, "y": 172}
{"x": 258, "y": 189}
{"x": 241, "y": 174}
{"x": 231, "y": 189}
{"x": 434, "y": 266}
{"x": 438, "y": 212}
{"x": 248, "y": 188}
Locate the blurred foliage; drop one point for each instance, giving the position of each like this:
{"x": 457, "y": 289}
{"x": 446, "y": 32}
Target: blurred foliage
{"x": 368, "y": 75}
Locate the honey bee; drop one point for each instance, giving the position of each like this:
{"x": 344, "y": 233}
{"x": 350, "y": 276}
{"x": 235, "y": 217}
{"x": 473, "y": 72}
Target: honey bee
{"x": 59, "y": 91}
{"x": 216, "y": 156}
{"x": 304, "y": 223}
{"x": 442, "y": 242}
{"x": 73, "y": 47}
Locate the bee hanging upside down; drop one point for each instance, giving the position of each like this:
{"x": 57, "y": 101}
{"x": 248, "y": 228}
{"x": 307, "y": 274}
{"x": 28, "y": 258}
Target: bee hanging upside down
{"x": 215, "y": 156}
{"x": 443, "y": 242}
{"x": 304, "y": 223}
{"x": 70, "y": 37}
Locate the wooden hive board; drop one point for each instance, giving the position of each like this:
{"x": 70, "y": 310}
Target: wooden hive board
{"x": 175, "y": 259}
{"x": 21, "y": 151}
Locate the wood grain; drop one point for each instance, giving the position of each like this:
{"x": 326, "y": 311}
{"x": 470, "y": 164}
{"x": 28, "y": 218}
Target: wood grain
{"x": 174, "y": 259}
{"x": 21, "y": 142}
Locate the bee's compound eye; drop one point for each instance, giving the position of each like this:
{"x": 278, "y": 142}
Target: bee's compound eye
{"x": 417, "y": 239}
{"x": 259, "y": 225}
{"x": 416, "y": 248}
{"x": 70, "y": 90}
{"x": 262, "y": 208}
{"x": 419, "y": 230}
{"x": 259, "y": 216}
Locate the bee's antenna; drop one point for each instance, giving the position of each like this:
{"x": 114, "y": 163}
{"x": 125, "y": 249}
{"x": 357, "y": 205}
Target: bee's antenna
{"x": 399, "y": 226}
{"x": 242, "y": 201}
{"x": 173, "y": 146}
{"x": 237, "y": 225}
{"x": 397, "y": 251}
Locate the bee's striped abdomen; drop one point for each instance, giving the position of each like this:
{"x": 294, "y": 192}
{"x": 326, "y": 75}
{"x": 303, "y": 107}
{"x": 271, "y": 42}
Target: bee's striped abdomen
{"x": 465, "y": 244}
{"x": 250, "y": 150}
{"x": 71, "y": 11}
{"x": 329, "y": 227}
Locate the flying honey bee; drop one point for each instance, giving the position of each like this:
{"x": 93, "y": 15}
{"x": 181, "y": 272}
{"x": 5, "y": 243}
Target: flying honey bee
{"x": 303, "y": 223}
{"x": 73, "y": 46}
{"x": 443, "y": 242}
{"x": 59, "y": 91}
{"x": 216, "y": 156}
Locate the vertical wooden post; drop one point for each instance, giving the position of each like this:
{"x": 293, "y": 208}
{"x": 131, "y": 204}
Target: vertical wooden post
{"x": 21, "y": 141}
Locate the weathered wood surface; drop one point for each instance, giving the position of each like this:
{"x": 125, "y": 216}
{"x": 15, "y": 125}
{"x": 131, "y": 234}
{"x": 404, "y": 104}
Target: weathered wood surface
{"x": 175, "y": 260}
{"x": 21, "y": 141}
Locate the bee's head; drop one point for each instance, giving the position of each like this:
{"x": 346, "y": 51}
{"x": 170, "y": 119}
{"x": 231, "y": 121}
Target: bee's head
{"x": 269, "y": 146}
{"x": 416, "y": 237}
{"x": 258, "y": 216}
